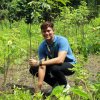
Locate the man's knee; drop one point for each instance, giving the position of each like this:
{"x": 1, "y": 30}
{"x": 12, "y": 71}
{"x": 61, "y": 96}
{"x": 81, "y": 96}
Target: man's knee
{"x": 33, "y": 70}
{"x": 54, "y": 68}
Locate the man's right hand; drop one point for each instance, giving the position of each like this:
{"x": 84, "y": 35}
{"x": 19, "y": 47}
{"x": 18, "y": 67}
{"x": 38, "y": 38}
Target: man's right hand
{"x": 40, "y": 85}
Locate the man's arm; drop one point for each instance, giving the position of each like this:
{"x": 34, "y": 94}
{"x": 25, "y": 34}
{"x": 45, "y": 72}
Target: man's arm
{"x": 41, "y": 71}
{"x": 58, "y": 60}
{"x": 41, "y": 75}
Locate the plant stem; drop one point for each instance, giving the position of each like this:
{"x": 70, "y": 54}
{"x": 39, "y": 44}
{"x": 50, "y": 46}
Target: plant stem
{"x": 30, "y": 34}
{"x": 6, "y": 67}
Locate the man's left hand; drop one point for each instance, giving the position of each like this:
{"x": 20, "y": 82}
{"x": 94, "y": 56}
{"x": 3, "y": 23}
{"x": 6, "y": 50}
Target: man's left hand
{"x": 33, "y": 62}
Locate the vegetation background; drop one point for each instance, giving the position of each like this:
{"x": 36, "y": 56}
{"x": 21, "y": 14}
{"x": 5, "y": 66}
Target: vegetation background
{"x": 77, "y": 20}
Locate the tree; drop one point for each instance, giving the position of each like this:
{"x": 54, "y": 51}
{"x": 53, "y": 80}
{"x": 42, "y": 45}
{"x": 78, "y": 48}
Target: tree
{"x": 4, "y": 4}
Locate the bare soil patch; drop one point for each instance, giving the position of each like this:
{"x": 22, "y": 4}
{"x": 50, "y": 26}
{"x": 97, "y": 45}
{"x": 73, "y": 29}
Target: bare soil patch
{"x": 20, "y": 76}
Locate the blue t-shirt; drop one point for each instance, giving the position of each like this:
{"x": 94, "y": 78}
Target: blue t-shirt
{"x": 60, "y": 43}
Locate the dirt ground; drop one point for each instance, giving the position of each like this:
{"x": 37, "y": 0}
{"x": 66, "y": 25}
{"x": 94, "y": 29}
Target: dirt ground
{"x": 20, "y": 76}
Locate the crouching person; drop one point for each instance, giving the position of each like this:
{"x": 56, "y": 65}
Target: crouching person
{"x": 55, "y": 58}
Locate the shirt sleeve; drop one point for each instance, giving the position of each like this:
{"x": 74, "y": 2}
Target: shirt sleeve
{"x": 63, "y": 44}
{"x": 41, "y": 52}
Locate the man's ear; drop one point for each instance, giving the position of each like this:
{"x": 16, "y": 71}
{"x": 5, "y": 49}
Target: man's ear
{"x": 53, "y": 29}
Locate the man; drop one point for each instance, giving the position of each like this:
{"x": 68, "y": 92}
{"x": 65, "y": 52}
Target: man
{"x": 55, "y": 58}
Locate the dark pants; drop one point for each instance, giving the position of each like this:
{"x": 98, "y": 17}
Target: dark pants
{"x": 55, "y": 73}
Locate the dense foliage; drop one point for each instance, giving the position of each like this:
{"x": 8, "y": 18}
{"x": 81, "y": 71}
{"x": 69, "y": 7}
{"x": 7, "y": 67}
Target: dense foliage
{"x": 38, "y": 10}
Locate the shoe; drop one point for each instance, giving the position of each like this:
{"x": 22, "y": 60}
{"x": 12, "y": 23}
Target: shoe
{"x": 66, "y": 88}
{"x": 49, "y": 92}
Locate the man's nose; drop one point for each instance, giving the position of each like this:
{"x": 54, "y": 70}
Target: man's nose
{"x": 46, "y": 32}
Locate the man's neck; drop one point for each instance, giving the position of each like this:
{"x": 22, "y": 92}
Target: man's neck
{"x": 50, "y": 41}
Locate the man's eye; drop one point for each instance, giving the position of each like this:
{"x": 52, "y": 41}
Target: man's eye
{"x": 48, "y": 31}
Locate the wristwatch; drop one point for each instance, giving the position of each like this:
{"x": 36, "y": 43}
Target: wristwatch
{"x": 40, "y": 62}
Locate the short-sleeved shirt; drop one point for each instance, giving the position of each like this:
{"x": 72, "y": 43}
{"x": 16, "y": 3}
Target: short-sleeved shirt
{"x": 60, "y": 43}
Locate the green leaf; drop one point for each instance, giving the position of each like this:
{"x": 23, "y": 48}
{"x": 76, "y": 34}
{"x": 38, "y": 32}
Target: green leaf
{"x": 80, "y": 92}
{"x": 57, "y": 91}
{"x": 62, "y": 1}
{"x": 67, "y": 97}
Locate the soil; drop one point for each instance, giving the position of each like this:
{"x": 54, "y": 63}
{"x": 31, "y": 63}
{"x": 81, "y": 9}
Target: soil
{"x": 20, "y": 76}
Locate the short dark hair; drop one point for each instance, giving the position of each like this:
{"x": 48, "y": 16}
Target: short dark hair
{"x": 46, "y": 24}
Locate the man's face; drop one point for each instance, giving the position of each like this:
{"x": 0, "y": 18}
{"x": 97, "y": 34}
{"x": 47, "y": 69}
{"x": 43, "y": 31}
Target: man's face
{"x": 48, "y": 33}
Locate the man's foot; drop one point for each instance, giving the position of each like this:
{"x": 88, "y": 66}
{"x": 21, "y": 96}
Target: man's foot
{"x": 47, "y": 93}
{"x": 66, "y": 88}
